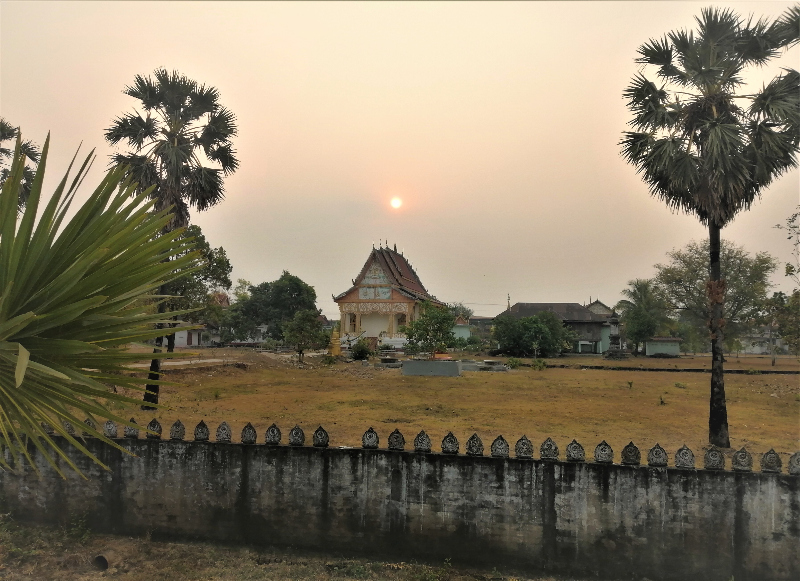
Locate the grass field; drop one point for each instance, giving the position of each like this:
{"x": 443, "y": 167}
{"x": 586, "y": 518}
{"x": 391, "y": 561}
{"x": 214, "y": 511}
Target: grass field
{"x": 645, "y": 407}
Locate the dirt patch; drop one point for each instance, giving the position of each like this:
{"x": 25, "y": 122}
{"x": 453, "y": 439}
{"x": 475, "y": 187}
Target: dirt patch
{"x": 31, "y": 552}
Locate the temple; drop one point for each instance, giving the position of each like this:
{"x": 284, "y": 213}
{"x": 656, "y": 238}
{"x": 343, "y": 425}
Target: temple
{"x": 385, "y": 295}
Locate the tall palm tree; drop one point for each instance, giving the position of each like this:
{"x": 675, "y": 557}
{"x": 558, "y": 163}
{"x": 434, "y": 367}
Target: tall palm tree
{"x": 182, "y": 127}
{"x": 30, "y": 154}
{"x": 703, "y": 148}
{"x": 643, "y": 311}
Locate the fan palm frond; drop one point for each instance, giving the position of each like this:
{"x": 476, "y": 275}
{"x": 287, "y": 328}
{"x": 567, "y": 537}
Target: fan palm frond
{"x": 72, "y": 288}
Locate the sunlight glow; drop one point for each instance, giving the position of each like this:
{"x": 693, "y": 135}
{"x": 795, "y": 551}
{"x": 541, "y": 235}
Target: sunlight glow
{"x": 396, "y": 202}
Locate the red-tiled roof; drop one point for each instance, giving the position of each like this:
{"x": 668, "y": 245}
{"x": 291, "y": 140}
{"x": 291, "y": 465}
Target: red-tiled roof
{"x": 401, "y": 276}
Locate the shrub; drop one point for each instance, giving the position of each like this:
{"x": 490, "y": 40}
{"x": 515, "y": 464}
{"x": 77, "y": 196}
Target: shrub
{"x": 539, "y": 364}
{"x": 513, "y": 362}
{"x": 361, "y": 350}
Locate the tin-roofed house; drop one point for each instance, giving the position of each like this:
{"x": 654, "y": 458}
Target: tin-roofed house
{"x": 385, "y": 295}
{"x": 593, "y": 329}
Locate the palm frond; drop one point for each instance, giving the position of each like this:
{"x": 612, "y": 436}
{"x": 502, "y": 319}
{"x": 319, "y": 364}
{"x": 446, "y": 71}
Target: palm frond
{"x": 71, "y": 290}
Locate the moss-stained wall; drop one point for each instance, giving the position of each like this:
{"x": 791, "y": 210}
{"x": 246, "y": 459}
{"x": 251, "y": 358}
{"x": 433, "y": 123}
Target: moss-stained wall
{"x": 582, "y": 518}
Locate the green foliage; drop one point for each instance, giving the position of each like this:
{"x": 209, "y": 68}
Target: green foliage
{"x": 680, "y": 385}
{"x": 682, "y": 280}
{"x": 361, "y": 351}
{"x": 695, "y": 141}
{"x": 460, "y": 310}
{"x": 539, "y": 364}
{"x": 270, "y": 303}
{"x": 305, "y": 331}
{"x": 433, "y": 330}
{"x": 74, "y": 290}
{"x": 542, "y": 334}
{"x": 782, "y": 317}
{"x": 513, "y": 362}
{"x": 792, "y": 229}
{"x": 197, "y": 290}
{"x": 30, "y": 153}
{"x": 643, "y": 312}
{"x": 183, "y": 122}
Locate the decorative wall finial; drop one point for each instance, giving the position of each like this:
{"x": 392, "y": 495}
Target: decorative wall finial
{"x": 475, "y": 445}
{"x": 370, "y": 439}
{"x": 130, "y": 432}
{"x": 396, "y": 441}
{"x": 177, "y": 431}
{"x": 657, "y": 457}
{"x": 273, "y": 436}
{"x": 548, "y": 450}
{"x": 524, "y": 448}
{"x": 450, "y": 444}
{"x": 201, "y": 432}
{"x": 631, "y": 456}
{"x": 684, "y": 458}
{"x": 296, "y": 436}
{"x": 154, "y": 430}
{"x": 224, "y": 433}
{"x": 320, "y": 438}
{"x": 603, "y": 453}
{"x": 422, "y": 443}
{"x": 575, "y": 452}
{"x": 249, "y": 434}
{"x": 500, "y": 448}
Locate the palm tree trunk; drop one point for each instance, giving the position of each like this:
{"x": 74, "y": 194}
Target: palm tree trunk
{"x": 151, "y": 395}
{"x": 715, "y": 288}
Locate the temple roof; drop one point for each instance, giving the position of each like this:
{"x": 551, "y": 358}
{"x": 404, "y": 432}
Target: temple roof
{"x": 399, "y": 274}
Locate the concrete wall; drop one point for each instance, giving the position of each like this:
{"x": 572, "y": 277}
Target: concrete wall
{"x": 662, "y": 347}
{"x": 589, "y": 519}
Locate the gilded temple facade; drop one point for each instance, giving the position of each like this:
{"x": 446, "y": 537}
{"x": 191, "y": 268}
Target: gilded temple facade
{"x": 385, "y": 295}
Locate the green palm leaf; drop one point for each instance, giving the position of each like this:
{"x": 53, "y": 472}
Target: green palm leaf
{"x": 74, "y": 292}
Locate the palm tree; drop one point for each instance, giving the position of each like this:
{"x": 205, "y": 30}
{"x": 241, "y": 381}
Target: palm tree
{"x": 643, "y": 311}
{"x": 30, "y": 154}
{"x": 703, "y": 148}
{"x": 183, "y": 125}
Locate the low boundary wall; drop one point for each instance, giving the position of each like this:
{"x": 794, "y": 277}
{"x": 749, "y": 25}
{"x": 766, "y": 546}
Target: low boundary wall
{"x": 540, "y": 515}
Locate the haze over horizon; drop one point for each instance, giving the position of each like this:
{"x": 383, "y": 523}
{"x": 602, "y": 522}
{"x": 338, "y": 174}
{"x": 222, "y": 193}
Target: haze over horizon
{"x": 496, "y": 124}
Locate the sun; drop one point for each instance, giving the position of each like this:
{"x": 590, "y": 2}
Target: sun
{"x": 396, "y": 202}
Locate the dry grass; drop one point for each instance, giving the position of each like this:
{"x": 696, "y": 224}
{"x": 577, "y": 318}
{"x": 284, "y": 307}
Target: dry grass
{"x": 588, "y": 405}
{"x": 29, "y": 552}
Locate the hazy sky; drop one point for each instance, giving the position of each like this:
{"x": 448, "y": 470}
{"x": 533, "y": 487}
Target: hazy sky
{"x": 497, "y": 125}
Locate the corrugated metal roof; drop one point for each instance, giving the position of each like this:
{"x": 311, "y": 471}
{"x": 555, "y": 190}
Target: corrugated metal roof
{"x": 573, "y": 312}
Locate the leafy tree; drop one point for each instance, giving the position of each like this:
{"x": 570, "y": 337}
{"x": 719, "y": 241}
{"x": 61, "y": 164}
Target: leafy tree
{"x": 781, "y": 319}
{"x": 643, "y": 312}
{"x": 701, "y": 152}
{"x": 792, "y": 229}
{"x": 29, "y": 152}
{"x": 183, "y": 123}
{"x": 460, "y": 310}
{"x": 75, "y": 287}
{"x": 683, "y": 283}
{"x": 199, "y": 292}
{"x": 305, "y": 331}
{"x": 275, "y": 303}
{"x": 543, "y": 334}
{"x": 788, "y": 320}
{"x": 432, "y": 331}
{"x": 270, "y": 303}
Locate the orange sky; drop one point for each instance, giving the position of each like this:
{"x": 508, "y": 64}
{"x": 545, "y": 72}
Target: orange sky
{"x": 496, "y": 124}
